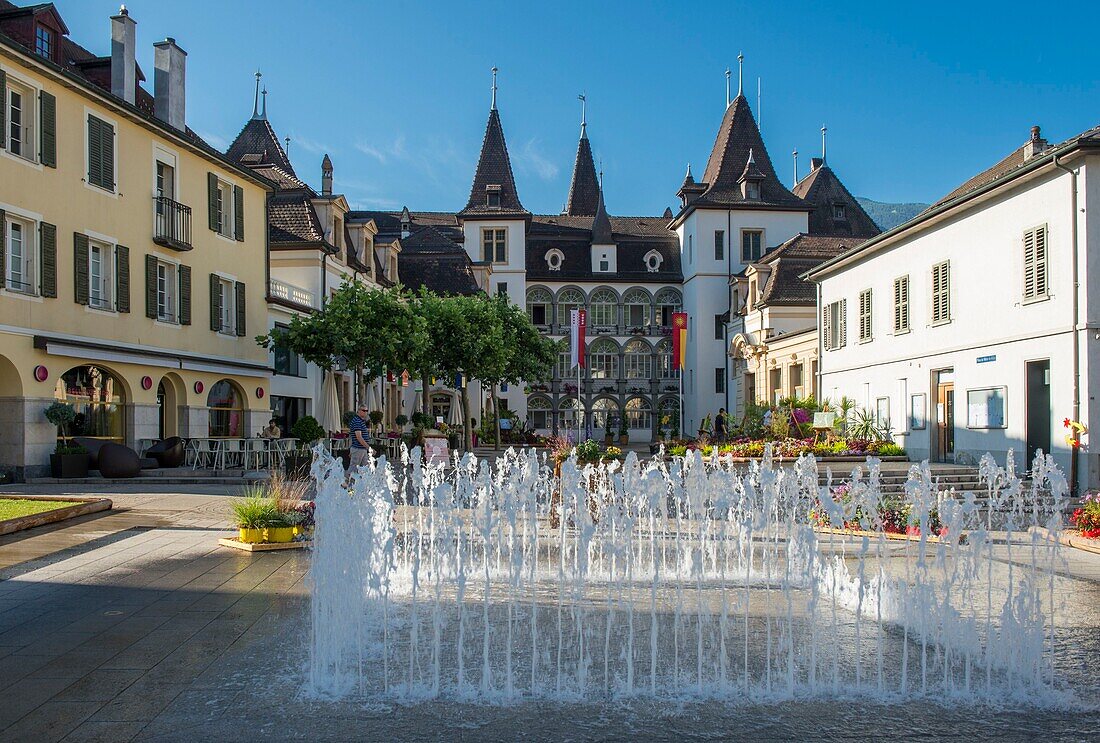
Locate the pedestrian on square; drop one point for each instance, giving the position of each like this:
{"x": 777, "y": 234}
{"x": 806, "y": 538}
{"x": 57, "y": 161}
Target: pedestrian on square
{"x": 360, "y": 447}
{"x": 272, "y": 431}
{"x": 721, "y": 426}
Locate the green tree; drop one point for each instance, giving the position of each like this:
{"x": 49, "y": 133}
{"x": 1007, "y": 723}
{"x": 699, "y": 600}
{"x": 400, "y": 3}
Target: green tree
{"x": 367, "y": 330}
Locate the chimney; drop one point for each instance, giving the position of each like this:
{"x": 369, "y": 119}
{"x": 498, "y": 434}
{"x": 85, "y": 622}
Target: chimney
{"x": 815, "y": 163}
{"x": 1036, "y": 145}
{"x": 170, "y": 83}
{"x": 406, "y": 222}
{"x": 326, "y": 176}
{"x": 123, "y": 56}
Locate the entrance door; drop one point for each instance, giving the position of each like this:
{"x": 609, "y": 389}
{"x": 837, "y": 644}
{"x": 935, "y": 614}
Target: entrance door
{"x": 1038, "y": 408}
{"x": 945, "y": 420}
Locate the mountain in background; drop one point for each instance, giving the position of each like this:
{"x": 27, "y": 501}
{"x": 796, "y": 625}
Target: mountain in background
{"x": 888, "y": 216}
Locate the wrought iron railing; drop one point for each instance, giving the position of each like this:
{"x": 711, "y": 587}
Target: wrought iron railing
{"x": 171, "y": 223}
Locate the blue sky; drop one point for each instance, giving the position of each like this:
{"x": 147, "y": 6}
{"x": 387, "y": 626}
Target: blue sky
{"x": 916, "y": 98}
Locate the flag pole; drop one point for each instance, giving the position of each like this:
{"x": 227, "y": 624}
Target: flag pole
{"x": 580, "y": 406}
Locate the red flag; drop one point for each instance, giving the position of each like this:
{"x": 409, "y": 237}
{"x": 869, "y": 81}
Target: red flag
{"x": 679, "y": 339}
{"x": 577, "y": 323}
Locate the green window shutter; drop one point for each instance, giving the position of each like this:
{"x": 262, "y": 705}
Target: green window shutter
{"x": 212, "y": 200}
{"x": 151, "y": 286}
{"x": 239, "y": 296}
{"x": 3, "y": 245}
{"x": 215, "y": 303}
{"x": 3, "y": 110}
{"x": 47, "y": 117}
{"x": 185, "y": 295}
{"x": 238, "y": 212}
{"x": 122, "y": 274}
{"x": 108, "y": 156}
{"x": 80, "y": 268}
{"x": 95, "y": 151}
{"x": 47, "y": 247}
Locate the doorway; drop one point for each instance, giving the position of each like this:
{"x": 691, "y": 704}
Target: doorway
{"x": 944, "y": 431}
{"x": 161, "y": 395}
{"x": 1038, "y": 408}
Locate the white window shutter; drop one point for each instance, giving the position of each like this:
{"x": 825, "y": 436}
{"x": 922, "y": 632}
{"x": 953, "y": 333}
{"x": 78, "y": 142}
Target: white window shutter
{"x": 843, "y": 323}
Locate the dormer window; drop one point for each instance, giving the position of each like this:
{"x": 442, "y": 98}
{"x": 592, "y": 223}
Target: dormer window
{"x": 839, "y": 212}
{"x": 752, "y": 190}
{"x": 492, "y": 197}
{"x": 554, "y": 258}
{"x": 605, "y": 266}
{"x": 43, "y": 42}
{"x": 653, "y": 261}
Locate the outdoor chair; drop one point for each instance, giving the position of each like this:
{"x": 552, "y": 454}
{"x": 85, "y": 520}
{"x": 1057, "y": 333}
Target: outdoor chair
{"x": 118, "y": 461}
{"x": 168, "y": 453}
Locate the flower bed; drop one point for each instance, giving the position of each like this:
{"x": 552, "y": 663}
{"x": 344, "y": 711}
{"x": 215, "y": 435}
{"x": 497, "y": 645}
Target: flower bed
{"x": 1087, "y": 517}
{"x": 893, "y": 516}
{"x": 793, "y": 448}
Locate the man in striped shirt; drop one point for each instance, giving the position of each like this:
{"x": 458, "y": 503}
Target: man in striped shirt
{"x": 360, "y": 448}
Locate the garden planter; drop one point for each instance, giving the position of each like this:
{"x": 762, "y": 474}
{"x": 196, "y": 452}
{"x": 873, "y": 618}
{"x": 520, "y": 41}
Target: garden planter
{"x": 69, "y": 465}
{"x": 608, "y": 440}
{"x": 624, "y": 439}
{"x": 250, "y": 536}
{"x": 280, "y": 534}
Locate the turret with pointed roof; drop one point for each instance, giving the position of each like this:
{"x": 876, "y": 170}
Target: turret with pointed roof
{"x": 584, "y": 191}
{"x": 494, "y": 188}
{"x": 601, "y": 223}
{"x": 729, "y": 161}
{"x": 835, "y": 211}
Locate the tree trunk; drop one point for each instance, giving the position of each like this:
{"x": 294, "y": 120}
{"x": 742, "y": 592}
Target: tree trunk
{"x": 467, "y": 432}
{"x": 496, "y": 415}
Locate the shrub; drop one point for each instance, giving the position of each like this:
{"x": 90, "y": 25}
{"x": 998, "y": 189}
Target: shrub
{"x": 401, "y": 420}
{"x": 61, "y": 414}
{"x": 1087, "y": 517}
{"x": 255, "y": 511}
{"x": 588, "y": 451}
{"x": 307, "y": 430}
{"x": 375, "y": 417}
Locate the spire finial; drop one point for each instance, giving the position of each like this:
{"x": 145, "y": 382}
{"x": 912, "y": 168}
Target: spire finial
{"x": 584, "y": 121}
{"x": 740, "y": 72}
{"x": 727, "y": 87}
{"x": 795, "y": 154}
{"x": 823, "y": 130}
{"x": 263, "y": 106}
{"x": 287, "y": 140}
{"x": 752, "y": 160}
{"x": 493, "y": 107}
{"x": 256, "y": 101}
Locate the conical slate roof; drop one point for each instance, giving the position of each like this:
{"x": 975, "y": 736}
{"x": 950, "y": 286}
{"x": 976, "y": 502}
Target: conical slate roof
{"x": 729, "y": 158}
{"x": 494, "y": 172}
{"x": 825, "y": 192}
{"x": 584, "y": 191}
{"x": 601, "y": 224}
{"x": 258, "y": 145}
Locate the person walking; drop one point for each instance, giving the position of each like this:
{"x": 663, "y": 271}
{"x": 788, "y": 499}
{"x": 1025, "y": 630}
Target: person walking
{"x": 721, "y": 426}
{"x": 360, "y": 447}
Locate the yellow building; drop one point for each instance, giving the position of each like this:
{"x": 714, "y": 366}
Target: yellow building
{"x": 133, "y": 253}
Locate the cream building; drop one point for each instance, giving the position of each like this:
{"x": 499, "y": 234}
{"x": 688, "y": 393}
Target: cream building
{"x": 133, "y": 253}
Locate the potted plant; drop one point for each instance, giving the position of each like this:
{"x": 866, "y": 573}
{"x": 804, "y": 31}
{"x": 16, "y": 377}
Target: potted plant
{"x": 68, "y": 460}
{"x": 252, "y": 514}
{"x": 375, "y": 418}
{"x": 307, "y": 431}
{"x": 624, "y": 432}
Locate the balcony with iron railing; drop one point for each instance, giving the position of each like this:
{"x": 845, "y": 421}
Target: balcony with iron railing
{"x": 171, "y": 223}
{"x": 296, "y": 295}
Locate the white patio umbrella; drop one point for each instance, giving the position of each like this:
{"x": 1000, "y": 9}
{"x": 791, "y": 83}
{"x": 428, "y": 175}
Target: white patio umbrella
{"x": 455, "y": 418}
{"x": 328, "y": 407}
{"x": 418, "y": 402}
{"x": 374, "y": 401}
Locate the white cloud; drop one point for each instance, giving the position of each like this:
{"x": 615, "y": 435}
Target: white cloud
{"x": 382, "y": 153}
{"x": 217, "y": 142}
{"x": 309, "y": 145}
{"x": 530, "y": 159}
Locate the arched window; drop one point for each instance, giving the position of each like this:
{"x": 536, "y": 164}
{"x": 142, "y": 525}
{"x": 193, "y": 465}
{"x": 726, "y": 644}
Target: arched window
{"x": 639, "y": 413}
{"x": 539, "y": 413}
{"x": 540, "y": 306}
{"x": 97, "y": 396}
{"x": 664, "y": 360}
{"x": 604, "y": 308}
{"x": 568, "y": 415}
{"x": 638, "y": 358}
{"x": 636, "y": 310}
{"x": 603, "y": 359}
{"x": 226, "y": 405}
{"x": 568, "y": 300}
{"x": 668, "y": 302}
{"x": 603, "y": 410}
{"x": 669, "y": 414}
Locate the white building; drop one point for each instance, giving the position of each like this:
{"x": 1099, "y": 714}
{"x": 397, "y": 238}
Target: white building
{"x": 974, "y": 327}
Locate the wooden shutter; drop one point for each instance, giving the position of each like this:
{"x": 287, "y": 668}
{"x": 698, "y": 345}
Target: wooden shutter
{"x": 1035, "y": 263}
{"x": 80, "y": 268}
{"x": 842, "y": 324}
{"x": 901, "y": 304}
{"x": 122, "y": 278}
{"x": 827, "y": 326}
{"x": 865, "y": 315}
{"x": 185, "y": 294}
{"x": 95, "y": 151}
{"x": 47, "y": 117}
{"x": 215, "y": 303}
{"x": 3, "y": 110}
{"x": 238, "y": 290}
{"x": 238, "y": 214}
{"x": 101, "y": 153}
{"x": 212, "y": 201}
{"x": 941, "y": 293}
{"x": 151, "y": 286}
{"x": 108, "y": 155}
{"x": 47, "y": 252}
{"x": 3, "y": 247}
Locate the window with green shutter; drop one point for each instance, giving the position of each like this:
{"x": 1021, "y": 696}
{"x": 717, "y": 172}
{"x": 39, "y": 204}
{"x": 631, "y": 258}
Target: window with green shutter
{"x": 238, "y": 213}
{"x": 184, "y": 273}
{"x": 151, "y": 286}
{"x": 101, "y": 153}
{"x": 47, "y": 247}
{"x": 215, "y": 302}
{"x": 238, "y": 290}
{"x": 47, "y": 117}
{"x": 3, "y": 110}
{"x": 80, "y": 268}
{"x": 3, "y": 244}
{"x": 122, "y": 278}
